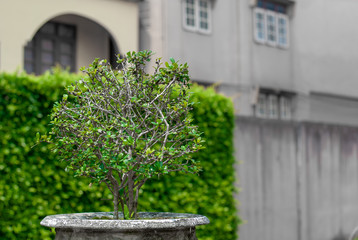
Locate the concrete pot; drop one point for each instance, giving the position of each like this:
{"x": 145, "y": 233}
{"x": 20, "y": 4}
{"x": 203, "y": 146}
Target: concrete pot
{"x": 151, "y": 226}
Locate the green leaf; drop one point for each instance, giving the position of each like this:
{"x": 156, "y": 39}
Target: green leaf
{"x": 37, "y": 136}
{"x": 126, "y": 212}
{"x": 101, "y": 166}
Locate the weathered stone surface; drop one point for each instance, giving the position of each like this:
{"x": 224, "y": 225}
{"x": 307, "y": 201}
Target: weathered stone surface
{"x": 151, "y": 226}
{"x": 175, "y": 234}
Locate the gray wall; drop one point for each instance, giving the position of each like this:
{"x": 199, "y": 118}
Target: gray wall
{"x": 298, "y": 181}
{"x": 319, "y": 65}
{"x": 325, "y": 45}
{"x": 321, "y": 59}
{"x": 212, "y": 57}
{"x": 261, "y": 64}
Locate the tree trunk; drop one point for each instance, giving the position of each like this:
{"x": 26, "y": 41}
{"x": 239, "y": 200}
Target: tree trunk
{"x": 130, "y": 202}
{"x": 115, "y": 193}
{"x": 115, "y": 204}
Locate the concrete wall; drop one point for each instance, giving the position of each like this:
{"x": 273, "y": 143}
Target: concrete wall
{"x": 212, "y": 57}
{"x": 262, "y": 64}
{"x": 325, "y": 45}
{"x": 320, "y": 58}
{"x": 20, "y": 19}
{"x": 298, "y": 181}
{"x": 325, "y": 52}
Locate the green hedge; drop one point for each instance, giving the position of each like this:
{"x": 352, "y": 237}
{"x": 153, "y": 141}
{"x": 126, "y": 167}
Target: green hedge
{"x": 34, "y": 184}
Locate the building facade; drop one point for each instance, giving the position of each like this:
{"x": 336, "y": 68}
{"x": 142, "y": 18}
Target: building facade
{"x": 278, "y": 59}
{"x": 36, "y": 35}
{"x": 290, "y": 68}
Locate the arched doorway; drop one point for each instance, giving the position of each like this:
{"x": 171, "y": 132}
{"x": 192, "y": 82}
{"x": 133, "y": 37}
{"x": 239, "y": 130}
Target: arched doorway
{"x": 70, "y": 41}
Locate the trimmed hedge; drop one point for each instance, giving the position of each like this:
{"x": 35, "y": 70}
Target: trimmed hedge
{"x": 34, "y": 183}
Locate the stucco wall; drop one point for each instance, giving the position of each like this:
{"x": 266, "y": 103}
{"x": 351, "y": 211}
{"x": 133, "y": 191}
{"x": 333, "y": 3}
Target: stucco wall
{"x": 20, "y": 19}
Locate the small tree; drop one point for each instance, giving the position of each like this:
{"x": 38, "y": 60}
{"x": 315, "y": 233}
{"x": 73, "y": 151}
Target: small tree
{"x": 124, "y": 127}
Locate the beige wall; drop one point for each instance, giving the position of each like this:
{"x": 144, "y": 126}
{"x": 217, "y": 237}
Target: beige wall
{"x": 92, "y": 40}
{"x": 20, "y": 19}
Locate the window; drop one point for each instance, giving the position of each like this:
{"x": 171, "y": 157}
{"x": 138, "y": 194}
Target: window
{"x": 261, "y": 106}
{"x": 197, "y": 15}
{"x": 271, "y": 5}
{"x": 53, "y": 44}
{"x": 285, "y": 108}
{"x": 274, "y": 105}
{"x": 282, "y": 27}
{"x": 271, "y": 24}
{"x": 260, "y": 26}
{"x": 271, "y": 28}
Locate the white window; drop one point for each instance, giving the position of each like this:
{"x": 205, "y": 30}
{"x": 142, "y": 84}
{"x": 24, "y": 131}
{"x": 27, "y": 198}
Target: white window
{"x": 197, "y": 15}
{"x": 271, "y": 23}
{"x": 271, "y": 27}
{"x": 272, "y": 107}
{"x": 261, "y": 106}
{"x": 285, "y": 108}
{"x": 189, "y": 13}
{"x": 282, "y": 30}
{"x": 260, "y": 26}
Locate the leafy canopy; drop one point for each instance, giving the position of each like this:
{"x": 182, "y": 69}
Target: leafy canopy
{"x": 124, "y": 127}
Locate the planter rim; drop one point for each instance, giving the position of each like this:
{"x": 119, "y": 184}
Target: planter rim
{"x": 153, "y": 220}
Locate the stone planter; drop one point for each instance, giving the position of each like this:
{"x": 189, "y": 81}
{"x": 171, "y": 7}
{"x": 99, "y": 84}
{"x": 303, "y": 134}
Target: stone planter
{"x": 151, "y": 226}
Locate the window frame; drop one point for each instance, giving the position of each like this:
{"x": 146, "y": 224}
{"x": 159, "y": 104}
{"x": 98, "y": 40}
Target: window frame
{"x": 275, "y": 105}
{"x": 273, "y": 109}
{"x": 197, "y": 17}
{"x": 57, "y": 39}
{"x": 185, "y": 16}
{"x": 29, "y": 61}
{"x": 285, "y": 108}
{"x": 277, "y": 27}
{"x": 256, "y": 21}
{"x": 261, "y": 106}
{"x": 269, "y": 13}
{"x": 287, "y": 30}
